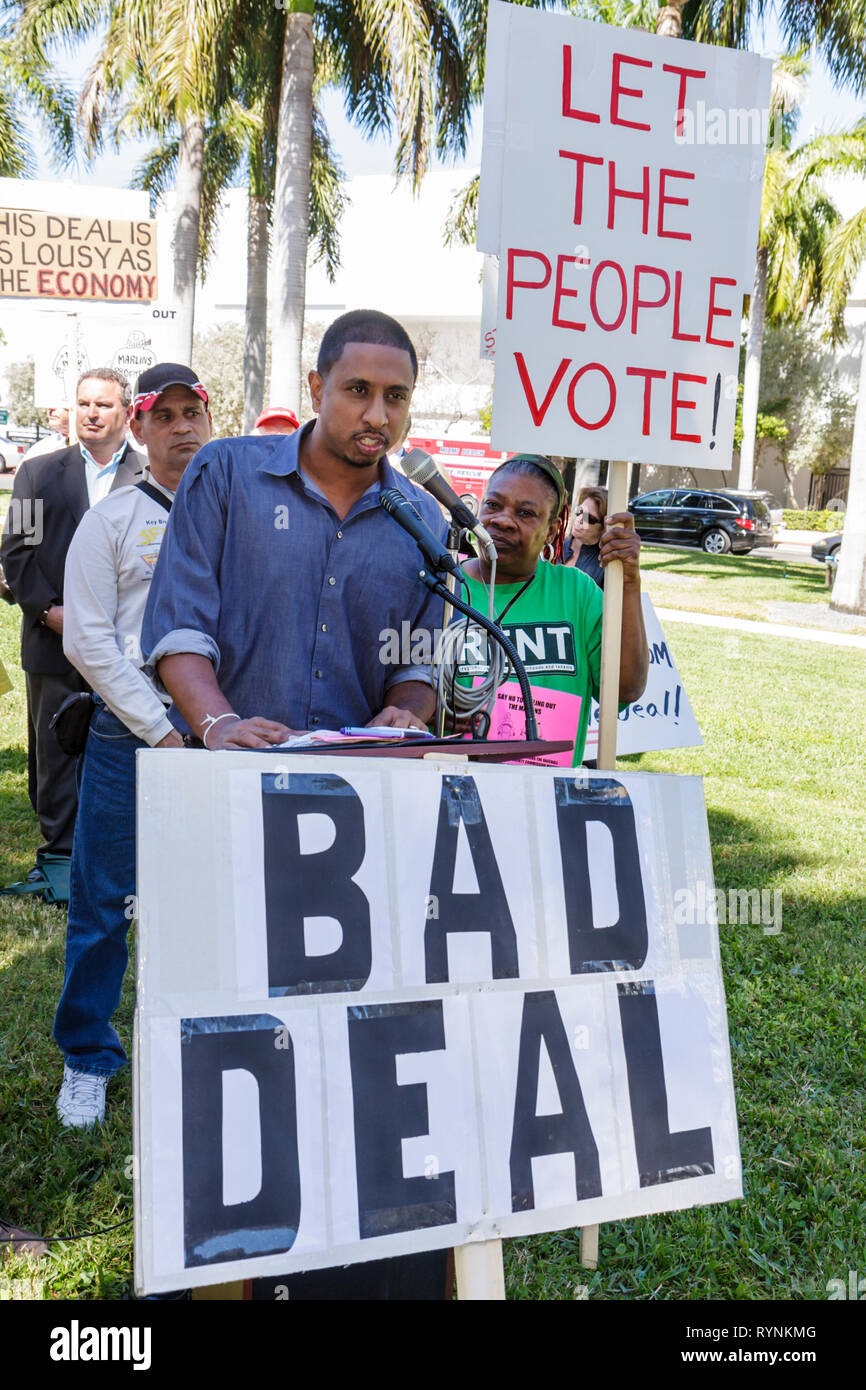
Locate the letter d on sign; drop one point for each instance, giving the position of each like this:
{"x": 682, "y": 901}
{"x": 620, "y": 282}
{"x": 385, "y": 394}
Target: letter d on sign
{"x": 214, "y": 1231}
{"x": 622, "y": 946}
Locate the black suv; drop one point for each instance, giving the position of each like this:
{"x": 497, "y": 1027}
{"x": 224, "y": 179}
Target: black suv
{"x": 716, "y": 521}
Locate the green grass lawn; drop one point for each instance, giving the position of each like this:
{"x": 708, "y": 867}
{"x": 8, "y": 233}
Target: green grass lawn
{"x": 737, "y": 586}
{"x": 784, "y": 763}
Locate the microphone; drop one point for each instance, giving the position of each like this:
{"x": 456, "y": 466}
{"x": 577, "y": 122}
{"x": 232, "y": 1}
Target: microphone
{"x": 434, "y": 552}
{"x": 420, "y": 468}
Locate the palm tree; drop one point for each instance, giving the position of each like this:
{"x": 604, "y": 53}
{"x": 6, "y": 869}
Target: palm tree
{"x": 792, "y": 277}
{"x": 29, "y": 83}
{"x": 846, "y": 255}
{"x": 155, "y": 71}
{"x": 403, "y": 70}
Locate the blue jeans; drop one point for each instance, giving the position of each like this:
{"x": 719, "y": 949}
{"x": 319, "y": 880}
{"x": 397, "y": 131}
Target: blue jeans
{"x": 101, "y": 888}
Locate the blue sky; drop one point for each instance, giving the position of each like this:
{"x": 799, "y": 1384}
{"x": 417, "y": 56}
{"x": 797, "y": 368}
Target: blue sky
{"x": 826, "y": 108}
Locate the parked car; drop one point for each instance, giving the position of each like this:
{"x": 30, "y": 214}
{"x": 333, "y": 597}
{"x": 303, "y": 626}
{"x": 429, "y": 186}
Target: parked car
{"x": 716, "y": 521}
{"x": 827, "y": 547}
{"x": 10, "y": 454}
{"x": 774, "y": 506}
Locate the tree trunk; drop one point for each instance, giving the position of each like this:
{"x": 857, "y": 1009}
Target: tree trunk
{"x": 256, "y": 313}
{"x": 752, "y": 374}
{"x": 670, "y": 21}
{"x": 849, "y": 589}
{"x": 187, "y": 216}
{"x": 292, "y": 202}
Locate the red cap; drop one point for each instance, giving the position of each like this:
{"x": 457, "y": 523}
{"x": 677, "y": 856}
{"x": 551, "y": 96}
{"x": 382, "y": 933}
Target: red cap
{"x": 278, "y": 412}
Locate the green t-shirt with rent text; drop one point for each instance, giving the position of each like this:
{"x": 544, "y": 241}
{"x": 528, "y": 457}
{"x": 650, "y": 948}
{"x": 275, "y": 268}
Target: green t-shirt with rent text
{"x": 555, "y": 625}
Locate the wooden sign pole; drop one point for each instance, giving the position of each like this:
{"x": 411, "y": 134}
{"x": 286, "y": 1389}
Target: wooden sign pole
{"x": 608, "y": 701}
{"x": 71, "y": 375}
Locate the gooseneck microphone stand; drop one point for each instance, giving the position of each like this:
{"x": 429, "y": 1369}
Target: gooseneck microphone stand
{"x": 436, "y": 586}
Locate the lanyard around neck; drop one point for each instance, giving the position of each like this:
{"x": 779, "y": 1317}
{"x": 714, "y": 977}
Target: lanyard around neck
{"x": 512, "y": 601}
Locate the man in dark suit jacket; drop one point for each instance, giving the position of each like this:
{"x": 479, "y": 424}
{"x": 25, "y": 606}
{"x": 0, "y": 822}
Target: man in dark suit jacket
{"x": 49, "y": 497}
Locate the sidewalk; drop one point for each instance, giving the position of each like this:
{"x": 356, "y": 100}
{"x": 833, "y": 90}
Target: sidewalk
{"x": 808, "y": 634}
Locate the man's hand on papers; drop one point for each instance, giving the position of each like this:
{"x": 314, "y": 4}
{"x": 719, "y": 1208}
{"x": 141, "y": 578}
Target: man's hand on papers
{"x": 393, "y": 717}
{"x": 247, "y": 733}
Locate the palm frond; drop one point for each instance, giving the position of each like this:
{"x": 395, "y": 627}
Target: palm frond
{"x": 462, "y": 220}
{"x": 327, "y": 199}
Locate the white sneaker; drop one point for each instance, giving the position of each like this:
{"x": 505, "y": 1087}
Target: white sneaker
{"x": 81, "y": 1102}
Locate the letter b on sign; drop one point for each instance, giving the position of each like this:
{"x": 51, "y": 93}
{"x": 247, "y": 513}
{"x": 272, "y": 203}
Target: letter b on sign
{"x": 301, "y": 886}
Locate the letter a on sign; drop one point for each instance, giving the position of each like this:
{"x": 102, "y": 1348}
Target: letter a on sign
{"x": 568, "y": 1132}
{"x": 484, "y": 911}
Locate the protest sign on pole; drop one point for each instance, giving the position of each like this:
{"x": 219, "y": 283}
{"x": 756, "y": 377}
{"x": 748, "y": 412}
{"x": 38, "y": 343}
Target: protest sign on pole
{"x": 52, "y": 255}
{"x": 620, "y": 187}
{"x": 663, "y": 716}
{"x": 130, "y": 340}
{"x": 391, "y": 1006}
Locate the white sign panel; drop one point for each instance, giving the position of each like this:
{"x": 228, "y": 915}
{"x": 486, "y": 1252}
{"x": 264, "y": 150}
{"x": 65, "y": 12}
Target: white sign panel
{"x": 130, "y": 340}
{"x": 621, "y": 184}
{"x": 663, "y": 716}
{"x": 387, "y": 1006}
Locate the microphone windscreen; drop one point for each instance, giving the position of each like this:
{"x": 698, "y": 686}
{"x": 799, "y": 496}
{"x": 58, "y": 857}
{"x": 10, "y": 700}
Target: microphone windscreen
{"x": 418, "y": 466}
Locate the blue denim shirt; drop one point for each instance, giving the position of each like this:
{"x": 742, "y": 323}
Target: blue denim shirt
{"x": 292, "y": 605}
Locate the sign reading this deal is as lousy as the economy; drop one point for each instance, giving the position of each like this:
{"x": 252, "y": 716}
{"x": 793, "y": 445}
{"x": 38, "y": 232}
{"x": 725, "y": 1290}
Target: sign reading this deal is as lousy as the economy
{"x": 48, "y": 255}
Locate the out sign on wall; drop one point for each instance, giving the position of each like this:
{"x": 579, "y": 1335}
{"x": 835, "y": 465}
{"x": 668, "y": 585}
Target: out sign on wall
{"x": 626, "y": 239}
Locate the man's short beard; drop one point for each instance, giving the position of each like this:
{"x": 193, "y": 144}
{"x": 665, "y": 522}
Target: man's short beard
{"x": 360, "y": 463}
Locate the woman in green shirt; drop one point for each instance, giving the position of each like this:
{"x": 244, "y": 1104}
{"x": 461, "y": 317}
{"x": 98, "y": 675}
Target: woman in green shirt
{"x": 550, "y": 611}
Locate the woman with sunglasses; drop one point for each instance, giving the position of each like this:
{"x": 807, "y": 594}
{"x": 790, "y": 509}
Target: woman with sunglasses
{"x": 581, "y": 550}
{"x": 553, "y": 612}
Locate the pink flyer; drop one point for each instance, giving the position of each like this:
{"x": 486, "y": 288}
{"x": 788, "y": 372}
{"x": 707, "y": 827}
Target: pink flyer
{"x": 557, "y": 714}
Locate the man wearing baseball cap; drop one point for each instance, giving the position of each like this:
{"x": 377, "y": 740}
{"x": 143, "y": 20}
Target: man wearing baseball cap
{"x": 277, "y": 419}
{"x": 108, "y": 569}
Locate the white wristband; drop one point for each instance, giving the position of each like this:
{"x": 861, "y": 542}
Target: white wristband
{"x": 210, "y": 719}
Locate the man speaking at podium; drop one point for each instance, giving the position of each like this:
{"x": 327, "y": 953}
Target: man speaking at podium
{"x": 280, "y": 572}
{"x": 278, "y": 575}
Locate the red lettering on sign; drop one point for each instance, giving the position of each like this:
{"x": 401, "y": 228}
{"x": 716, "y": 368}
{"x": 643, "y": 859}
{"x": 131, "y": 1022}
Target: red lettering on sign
{"x": 716, "y": 313}
{"x": 593, "y": 298}
{"x": 638, "y": 303}
{"x": 572, "y": 405}
{"x": 512, "y": 284}
{"x": 677, "y": 335}
{"x": 643, "y": 197}
{"x": 665, "y": 198}
{"x": 44, "y": 280}
{"x": 677, "y": 405}
{"x": 580, "y": 160}
{"x": 684, "y": 74}
{"x": 649, "y": 374}
{"x": 567, "y": 108}
{"x": 561, "y": 292}
{"x": 537, "y": 411}
{"x": 617, "y": 91}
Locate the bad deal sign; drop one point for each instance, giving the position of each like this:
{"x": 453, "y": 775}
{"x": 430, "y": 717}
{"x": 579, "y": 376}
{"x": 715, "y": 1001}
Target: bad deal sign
{"x": 620, "y": 188}
{"x": 390, "y": 1006}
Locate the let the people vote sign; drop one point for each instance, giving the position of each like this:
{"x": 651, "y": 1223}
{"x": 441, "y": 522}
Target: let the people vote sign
{"x": 388, "y": 1006}
{"x": 620, "y": 187}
